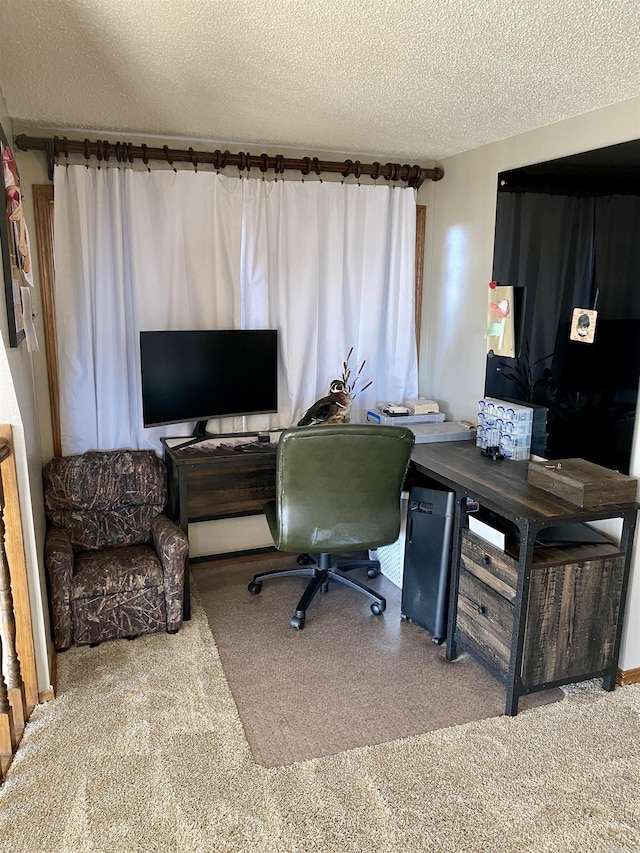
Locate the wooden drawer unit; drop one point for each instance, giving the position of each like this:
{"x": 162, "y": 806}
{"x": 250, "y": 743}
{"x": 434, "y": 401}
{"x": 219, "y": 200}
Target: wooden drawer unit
{"x": 571, "y": 616}
{"x": 485, "y": 621}
{"x": 487, "y": 587}
{"x": 490, "y": 565}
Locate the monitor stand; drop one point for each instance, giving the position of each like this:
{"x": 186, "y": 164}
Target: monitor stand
{"x": 261, "y": 440}
{"x": 199, "y": 434}
{"x": 200, "y": 430}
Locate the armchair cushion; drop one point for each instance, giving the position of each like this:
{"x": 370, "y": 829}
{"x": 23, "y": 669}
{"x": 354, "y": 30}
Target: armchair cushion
{"x": 117, "y": 593}
{"x": 116, "y": 571}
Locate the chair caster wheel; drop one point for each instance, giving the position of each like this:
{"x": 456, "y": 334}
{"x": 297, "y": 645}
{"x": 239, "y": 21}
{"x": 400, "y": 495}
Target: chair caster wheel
{"x": 254, "y": 587}
{"x": 298, "y": 623}
{"x": 377, "y": 608}
{"x": 372, "y": 573}
{"x": 437, "y": 640}
{"x": 304, "y": 560}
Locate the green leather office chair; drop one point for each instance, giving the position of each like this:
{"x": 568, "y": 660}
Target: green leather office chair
{"x": 337, "y": 490}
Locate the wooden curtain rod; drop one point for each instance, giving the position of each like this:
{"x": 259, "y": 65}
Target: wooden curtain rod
{"x": 126, "y": 152}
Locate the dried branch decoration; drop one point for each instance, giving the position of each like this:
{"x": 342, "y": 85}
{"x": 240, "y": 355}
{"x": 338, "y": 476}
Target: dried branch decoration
{"x": 350, "y": 386}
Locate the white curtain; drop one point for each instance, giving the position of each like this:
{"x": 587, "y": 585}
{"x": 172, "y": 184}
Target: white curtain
{"x": 331, "y": 266}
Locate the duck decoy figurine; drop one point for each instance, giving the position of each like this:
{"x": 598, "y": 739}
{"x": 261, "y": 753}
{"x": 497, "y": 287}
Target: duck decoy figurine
{"x": 335, "y": 408}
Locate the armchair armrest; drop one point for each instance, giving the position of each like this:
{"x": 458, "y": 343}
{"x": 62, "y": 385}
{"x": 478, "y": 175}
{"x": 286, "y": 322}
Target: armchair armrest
{"x": 58, "y": 558}
{"x": 172, "y": 547}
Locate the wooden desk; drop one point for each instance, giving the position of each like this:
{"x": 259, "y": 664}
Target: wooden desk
{"x": 211, "y": 479}
{"x": 536, "y": 617}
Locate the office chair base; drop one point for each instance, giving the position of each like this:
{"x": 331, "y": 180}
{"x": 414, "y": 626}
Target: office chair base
{"x": 320, "y": 577}
{"x": 372, "y": 566}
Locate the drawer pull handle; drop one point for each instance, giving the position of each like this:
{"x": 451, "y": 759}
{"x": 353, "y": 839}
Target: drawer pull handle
{"x": 486, "y": 560}
{"x": 481, "y": 609}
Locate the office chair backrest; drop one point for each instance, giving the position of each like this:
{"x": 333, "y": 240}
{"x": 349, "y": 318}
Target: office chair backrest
{"x": 338, "y": 487}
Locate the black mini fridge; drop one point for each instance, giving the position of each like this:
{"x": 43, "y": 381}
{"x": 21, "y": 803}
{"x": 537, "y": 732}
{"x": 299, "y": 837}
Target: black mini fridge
{"x": 427, "y": 559}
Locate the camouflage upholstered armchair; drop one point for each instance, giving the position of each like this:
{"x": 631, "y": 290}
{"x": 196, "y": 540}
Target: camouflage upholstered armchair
{"x": 115, "y": 562}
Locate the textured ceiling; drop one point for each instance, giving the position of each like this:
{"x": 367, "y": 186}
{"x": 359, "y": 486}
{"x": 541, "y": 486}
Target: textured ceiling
{"x": 413, "y": 79}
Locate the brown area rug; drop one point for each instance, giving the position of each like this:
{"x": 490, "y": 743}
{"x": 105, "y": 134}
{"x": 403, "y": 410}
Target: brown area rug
{"x": 348, "y": 679}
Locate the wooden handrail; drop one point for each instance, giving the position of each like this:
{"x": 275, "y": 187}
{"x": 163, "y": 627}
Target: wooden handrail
{"x": 17, "y": 700}
{"x": 126, "y": 152}
{"x": 8, "y": 733}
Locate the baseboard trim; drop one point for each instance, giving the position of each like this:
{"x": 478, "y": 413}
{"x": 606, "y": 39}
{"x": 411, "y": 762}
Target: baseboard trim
{"x": 47, "y": 695}
{"x": 628, "y": 676}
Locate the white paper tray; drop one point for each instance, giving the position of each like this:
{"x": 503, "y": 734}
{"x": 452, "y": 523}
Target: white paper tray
{"x": 447, "y": 431}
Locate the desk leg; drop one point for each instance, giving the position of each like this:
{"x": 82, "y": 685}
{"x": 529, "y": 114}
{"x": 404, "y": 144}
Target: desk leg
{"x": 452, "y": 646}
{"x": 513, "y": 697}
{"x": 609, "y": 680}
{"x": 186, "y": 596}
{"x": 183, "y": 521}
{"x": 630, "y": 518}
{"x": 452, "y": 649}
{"x": 528, "y": 533}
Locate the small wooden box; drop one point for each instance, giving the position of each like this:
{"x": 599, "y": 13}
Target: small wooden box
{"x": 583, "y": 483}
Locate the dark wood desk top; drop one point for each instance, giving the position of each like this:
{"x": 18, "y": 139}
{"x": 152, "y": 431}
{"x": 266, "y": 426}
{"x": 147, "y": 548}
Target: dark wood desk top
{"x": 215, "y": 447}
{"x": 501, "y": 486}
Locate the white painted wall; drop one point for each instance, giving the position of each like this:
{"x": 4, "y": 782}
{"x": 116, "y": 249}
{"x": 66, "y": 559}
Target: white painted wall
{"x": 460, "y": 221}
{"x": 18, "y": 407}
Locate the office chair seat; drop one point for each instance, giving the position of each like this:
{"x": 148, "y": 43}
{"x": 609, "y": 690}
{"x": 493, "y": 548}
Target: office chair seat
{"x": 337, "y": 491}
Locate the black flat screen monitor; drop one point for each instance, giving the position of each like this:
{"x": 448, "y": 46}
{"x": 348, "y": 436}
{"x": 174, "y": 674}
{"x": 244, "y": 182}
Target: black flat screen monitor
{"x": 197, "y": 375}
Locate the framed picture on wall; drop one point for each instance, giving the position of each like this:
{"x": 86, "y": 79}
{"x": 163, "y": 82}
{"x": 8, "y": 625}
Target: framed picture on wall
{"x": 12, "y": 261}
{"x": 583, "y": 325}
{"x": 500, "y": 332}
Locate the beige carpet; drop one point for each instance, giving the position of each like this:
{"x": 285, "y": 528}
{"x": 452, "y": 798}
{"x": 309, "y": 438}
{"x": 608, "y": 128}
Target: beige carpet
{"x": 143, "y": 751}
{"x": 348, "y": 679}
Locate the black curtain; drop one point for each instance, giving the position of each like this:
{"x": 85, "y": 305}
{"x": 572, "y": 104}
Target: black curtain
{"x": 617, "y": 253}
{"x": 562, "y": 252}
{"x": 543, "y": 247}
